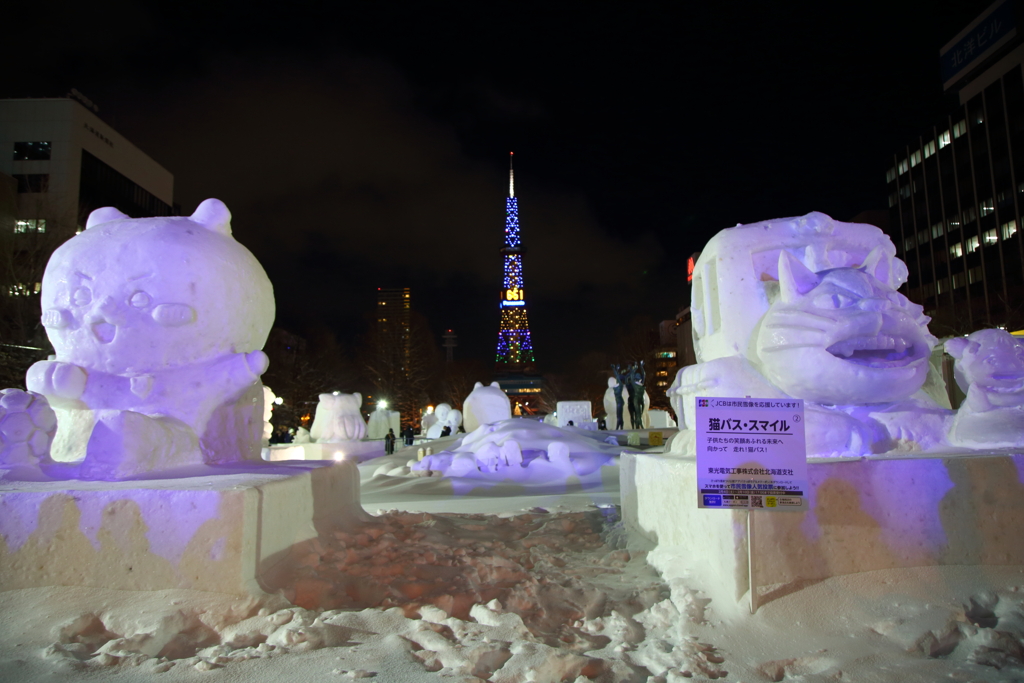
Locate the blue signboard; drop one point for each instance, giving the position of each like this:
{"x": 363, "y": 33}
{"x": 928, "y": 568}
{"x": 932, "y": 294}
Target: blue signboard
{"x": 986, "y": 34}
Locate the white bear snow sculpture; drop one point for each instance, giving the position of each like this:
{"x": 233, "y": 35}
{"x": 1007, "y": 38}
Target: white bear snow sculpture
{"x": 157, "y": 325}
{"x": 485, "y": 405}
{"x": 338, "y": 419}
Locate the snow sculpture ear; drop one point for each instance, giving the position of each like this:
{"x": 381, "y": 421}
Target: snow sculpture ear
{"x": 956, "y": 346}
{"x": 104, "y": 215}
{"x": 795, "y": 279}
{"x": 213, "y": 215}
{"x": 477, "y": 385}
{"x": 495, "y": 385}
{"x": 878, "y": 265}
{"x": 357, "y": 395}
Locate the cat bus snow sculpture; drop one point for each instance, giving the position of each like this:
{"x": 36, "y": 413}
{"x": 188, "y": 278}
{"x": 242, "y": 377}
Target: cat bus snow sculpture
{"x": 157, "y": 324}
{"x": 807, "y": 308}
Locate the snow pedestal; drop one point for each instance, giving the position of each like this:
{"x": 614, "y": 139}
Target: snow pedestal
{"x": 864, "y": 514}
{"x": 227, "y": 533}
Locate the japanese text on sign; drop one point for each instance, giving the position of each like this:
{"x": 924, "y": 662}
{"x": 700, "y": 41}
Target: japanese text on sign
{"x": 751, "y": 453}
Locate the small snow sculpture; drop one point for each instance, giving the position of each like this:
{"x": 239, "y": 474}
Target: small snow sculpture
{"x": 381, "y": 420}
{"x": 577, "y": 412}
{"x": 27, "y": 426}
{"x": 338, "y": 419}
{"x": 427, "y": 420}
{"x": 301, "y": 435}
{"x": 989, "y": 369}
{"x": 157, "y": 325}
{"x": 485, "y": 405}
{"x": 610, "y": 403}
{"x": 444, "y": 417}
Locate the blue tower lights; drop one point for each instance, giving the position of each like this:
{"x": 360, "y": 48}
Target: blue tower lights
{"x": 515, "y": 348}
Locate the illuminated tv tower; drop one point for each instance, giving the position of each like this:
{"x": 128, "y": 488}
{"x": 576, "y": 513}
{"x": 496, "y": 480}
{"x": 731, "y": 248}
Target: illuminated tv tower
{"x": 515, "y": 349}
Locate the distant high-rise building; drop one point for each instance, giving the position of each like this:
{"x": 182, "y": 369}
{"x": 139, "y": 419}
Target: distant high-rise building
{"x": 956, "y": 192}
{"x": 515, "y": 348}
{"x": 394, "y": 334}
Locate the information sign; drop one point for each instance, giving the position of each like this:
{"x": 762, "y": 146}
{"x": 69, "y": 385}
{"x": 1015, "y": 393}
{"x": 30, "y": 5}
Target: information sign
{"x": 751, "y": 454}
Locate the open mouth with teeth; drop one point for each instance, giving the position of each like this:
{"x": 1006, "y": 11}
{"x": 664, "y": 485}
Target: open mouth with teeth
{"x": 878, "y": 351}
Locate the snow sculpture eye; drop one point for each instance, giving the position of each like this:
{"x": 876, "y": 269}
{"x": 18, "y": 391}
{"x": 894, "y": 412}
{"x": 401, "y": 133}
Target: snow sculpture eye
{"x": 139, "y": 299}
{"x": 174, "y": 315}
{"x": 832, "y": 301}
{"x": 81, "y": 297}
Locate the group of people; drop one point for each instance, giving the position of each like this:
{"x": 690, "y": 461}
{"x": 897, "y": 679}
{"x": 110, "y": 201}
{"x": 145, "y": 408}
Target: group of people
{"x": 632, "y": 380}
{"x": 390, "y": 439}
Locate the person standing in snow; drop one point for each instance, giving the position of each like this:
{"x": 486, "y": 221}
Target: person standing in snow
{"x": 389, "y": 442}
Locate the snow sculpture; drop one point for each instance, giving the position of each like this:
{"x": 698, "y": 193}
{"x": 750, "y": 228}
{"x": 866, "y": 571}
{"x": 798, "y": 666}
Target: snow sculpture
{"x": 485, "y": 405}
{"x": 157, "y": 325}
{"x": 989, "y": 369}
{"x": 27, "y": 426}
{"x": 301, "y": 436}
{"x": 427, "y": 419}
{"x": 444, "y": 416}
{"x": 381, "y": 420}
{"x": 338, "y": 419}
{"x": 609, "y": 403}
{"x": 268, "y": 412}
{"x": 577, "y": 412}
{"x": 807, "y": 308}
{"x": 522, "y": 450}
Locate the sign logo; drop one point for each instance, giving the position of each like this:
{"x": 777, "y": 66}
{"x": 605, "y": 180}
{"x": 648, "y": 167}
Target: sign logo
{"x": 702, "y": 402}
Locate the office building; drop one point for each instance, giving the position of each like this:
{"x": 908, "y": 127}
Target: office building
{"x": 956, "y": 192}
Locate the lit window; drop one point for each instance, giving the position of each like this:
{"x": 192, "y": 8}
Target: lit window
{"x": 954, "y": 222}
{"x": 903, "y": 166}
{"x": 990, "y": 236}
{"x": 922, "y": 237}
{"x": 937, "y": 230}
{"x": 1008, "y": 230}
{"x": 944, "y": 139}
{"x": 979, "y": 117}
{"x": 905, "y": 191}
{"x": 958, "y": 280}
{"x": 929, "y": 149}
{"x": 941, "y": 285}
{"x": 910, "y": 243}
{"x": 956, "y": 250}
{"x": 972, "y": 243}
{"x": 915, "y": 158}
{"x": 893, "y": 199}
{"x": 30, "y": 225}
{"x": 959, "y": 129}
{"x": 974, "y": 275}
{"x": 31, "y": 151}
{"x": 987, "y": 207}
{"x": 969, "y": 215}
{"x": 890, "y": 175}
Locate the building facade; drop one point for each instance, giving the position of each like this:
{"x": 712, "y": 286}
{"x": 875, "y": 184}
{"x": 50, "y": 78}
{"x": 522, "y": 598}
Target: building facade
{"x": 62, "y": 162}
{"x": 956, "y": 192}
{"x": 394, "y": 328}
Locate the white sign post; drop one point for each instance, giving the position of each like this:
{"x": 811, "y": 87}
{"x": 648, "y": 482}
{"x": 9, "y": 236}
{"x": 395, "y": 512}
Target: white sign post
{"x": 751, "y": 455}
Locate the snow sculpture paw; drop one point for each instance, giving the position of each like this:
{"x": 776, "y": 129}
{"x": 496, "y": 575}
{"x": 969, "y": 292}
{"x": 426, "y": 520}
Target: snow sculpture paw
{"x": 27, "y": 426}
{"x": 56, "y": 379}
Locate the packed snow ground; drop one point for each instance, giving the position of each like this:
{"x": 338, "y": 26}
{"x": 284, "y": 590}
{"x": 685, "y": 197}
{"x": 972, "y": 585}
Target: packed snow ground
{"x": 523, "y": 581}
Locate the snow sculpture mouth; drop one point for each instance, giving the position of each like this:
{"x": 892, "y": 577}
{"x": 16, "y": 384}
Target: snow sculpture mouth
{"x": 879, "y": 351}
{"x": 104, "y": 332}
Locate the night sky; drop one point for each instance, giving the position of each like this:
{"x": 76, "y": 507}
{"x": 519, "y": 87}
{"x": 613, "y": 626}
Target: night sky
{"x": 366, "y": 144}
